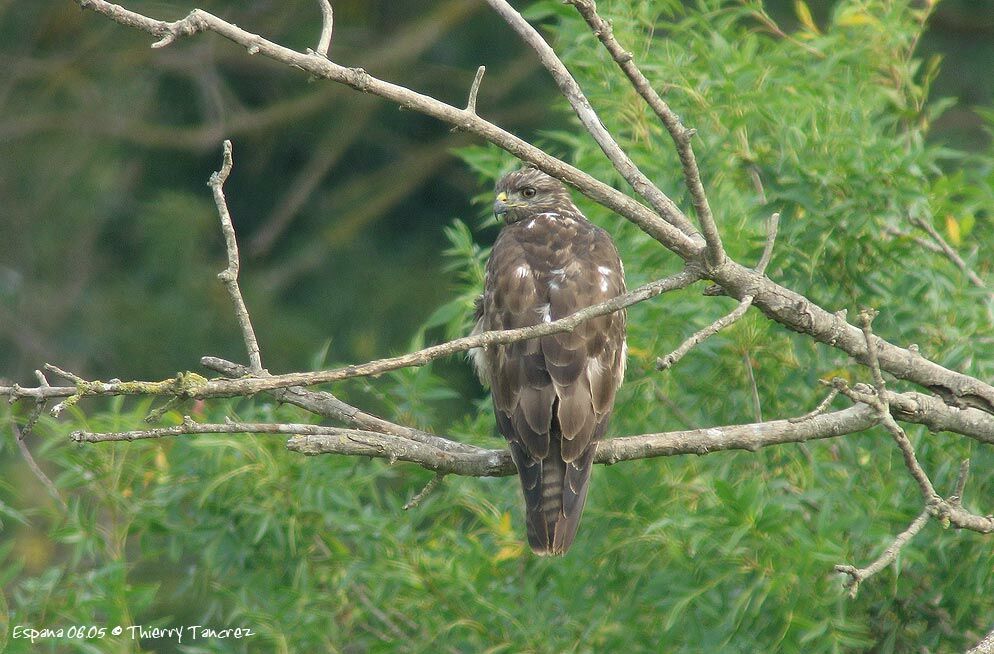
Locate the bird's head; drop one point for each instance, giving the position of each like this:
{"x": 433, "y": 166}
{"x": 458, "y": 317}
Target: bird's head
{"x": 527, "y": 192}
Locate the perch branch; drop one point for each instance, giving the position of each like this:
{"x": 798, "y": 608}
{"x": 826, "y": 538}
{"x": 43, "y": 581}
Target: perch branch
{"x": 480, "y": 462}
{"x": 229, "y": 276}
{"x": 470, "y": 460}
{"x": 192, "y": 386}
{"x": 682, "y": 136}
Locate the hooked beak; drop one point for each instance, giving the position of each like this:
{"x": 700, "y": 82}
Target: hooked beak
{"x": 500, "y": 205}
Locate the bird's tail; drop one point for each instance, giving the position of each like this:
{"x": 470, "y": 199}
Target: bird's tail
{"x": 555, "y": 492}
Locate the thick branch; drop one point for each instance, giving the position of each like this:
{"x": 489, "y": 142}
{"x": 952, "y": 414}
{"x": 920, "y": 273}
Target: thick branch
{"x": 480, "y": 462}
{"x": 475, "y": 461}
{"x": 798, "y": 313}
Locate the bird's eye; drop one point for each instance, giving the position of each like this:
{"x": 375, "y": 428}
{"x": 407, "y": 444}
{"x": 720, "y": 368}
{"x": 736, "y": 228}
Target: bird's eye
{"x": 528, "y": 192}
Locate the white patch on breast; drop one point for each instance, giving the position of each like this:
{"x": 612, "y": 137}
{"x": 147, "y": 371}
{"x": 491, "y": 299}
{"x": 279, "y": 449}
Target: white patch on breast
{"x": 604, "y": 270}
{"x": 531, "y": 224}
{"x": 604, "y": 285}
{"x": 545, "y": 312}
{"x": 522, "y": 271}
{"x": 559, "y": 272}
{"x": 479, "y": 358}
{"x": 624, "y": 361}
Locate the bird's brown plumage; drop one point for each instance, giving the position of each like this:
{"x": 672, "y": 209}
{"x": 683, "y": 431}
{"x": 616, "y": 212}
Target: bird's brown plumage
{"x": 552, "y": 395}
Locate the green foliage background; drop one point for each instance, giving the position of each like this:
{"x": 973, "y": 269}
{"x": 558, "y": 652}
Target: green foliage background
{"x": 729, "y": 552}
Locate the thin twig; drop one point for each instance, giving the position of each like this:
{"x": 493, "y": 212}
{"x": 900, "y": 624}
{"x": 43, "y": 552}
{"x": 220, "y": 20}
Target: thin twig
{"x": 964, "y": 471}
{"x": 952, "y": 255}
{"x": 475, "y": 89}
{"x": 425, "y": 492}
{"x": 772, "y": 227}
{"x": 33, "y": 465}
{"x": 681, "y": 135}
{"x": 820, "y": 409}
{"x": 65, "y": 374}
{"x": 229, "y": 276}
{"x": 662, "y": 363}
{"x": 757, "y": 407}
{"x": 327, "y": 24}
{"x": 380, "y": 615}
{"x": 859, "y": 575}
{"x": 757, "y": 182}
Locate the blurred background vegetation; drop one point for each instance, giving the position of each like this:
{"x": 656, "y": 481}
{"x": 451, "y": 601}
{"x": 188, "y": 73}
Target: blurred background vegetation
{"x": 857, "y": 115}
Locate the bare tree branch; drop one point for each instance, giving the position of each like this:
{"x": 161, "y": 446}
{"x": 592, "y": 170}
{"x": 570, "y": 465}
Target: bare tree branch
{"x": 358, "y": 79}
{"x": 821, "y": 408}
{"x": 681, "y": 135}
{"x": 425, "y": 492}
{"x": 475, "y": 89}
{"x": 947, "y": 511}
{"x": 230, "y": 275}
{"x": 777, "y": 302}
{"x": 446, "y": 456}
{"x": 952, "y": 255}
{"x": 702, "y": 335}
{"x": 859, "y": 575}
{"x": 480, "y": 462}
{"x": 327, "y": 25}
{"x": 662, "y": 363}
{"x": 328, "y": 406}
{"x": 22, "y": 433}
{"x": 192, "y": 386}
{"x": 663, "y": 205}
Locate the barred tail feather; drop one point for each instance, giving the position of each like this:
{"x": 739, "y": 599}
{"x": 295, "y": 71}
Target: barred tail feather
{"x": 555, "y": 492}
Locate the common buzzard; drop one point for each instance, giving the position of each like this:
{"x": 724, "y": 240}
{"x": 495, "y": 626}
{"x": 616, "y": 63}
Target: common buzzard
{"x": 552, "y": 395}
